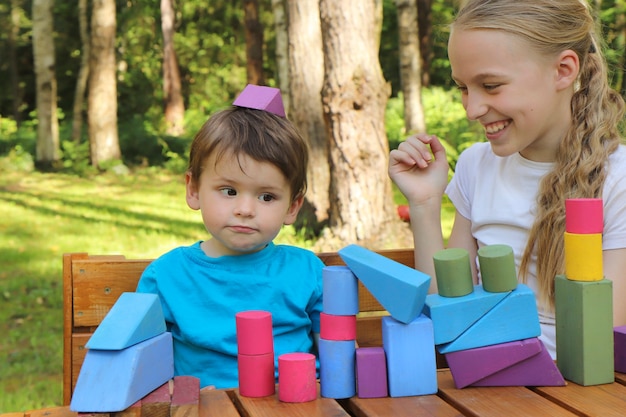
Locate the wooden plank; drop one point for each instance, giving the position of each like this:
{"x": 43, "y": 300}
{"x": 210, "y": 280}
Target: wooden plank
{"x": 606, "y": 400}
{"x": 157, "y": 403}
{"x": 620, "y": 378}
{"x": 186, "y": 397}
{"x": 271, "y": 406}
{"x": 497, "y": 401}
{"x": 133, "y": 411}
{"x": 416, "y": 406}
{"x": 79, "y": 351}
{"x": 217, "y": 403}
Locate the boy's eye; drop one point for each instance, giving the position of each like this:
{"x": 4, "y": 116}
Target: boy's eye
{"x": 229, "y": 191}
{"x": 461, "y": 88}
{"x": 266, "y": 197}
{"x": 489, "y": 87}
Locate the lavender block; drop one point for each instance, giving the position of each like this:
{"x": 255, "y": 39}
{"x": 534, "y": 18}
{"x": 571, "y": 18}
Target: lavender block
{"x": 371, "y": 372}
{"x": 261, "y": 98}
{"x": 619, "y": 341}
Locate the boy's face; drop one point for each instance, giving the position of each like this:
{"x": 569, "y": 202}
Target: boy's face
{"x": 244, "y": 203}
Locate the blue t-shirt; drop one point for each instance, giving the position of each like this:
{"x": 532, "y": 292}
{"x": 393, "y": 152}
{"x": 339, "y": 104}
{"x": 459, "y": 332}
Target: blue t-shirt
{"x": 201, "y": 295}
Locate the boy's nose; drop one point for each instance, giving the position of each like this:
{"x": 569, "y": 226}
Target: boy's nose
{"x": 475, "y": 106}
{"x": 245, "y": 207}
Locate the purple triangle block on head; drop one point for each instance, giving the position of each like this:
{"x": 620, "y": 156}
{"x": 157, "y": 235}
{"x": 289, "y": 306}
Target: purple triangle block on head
{"x": 261, "y": 98}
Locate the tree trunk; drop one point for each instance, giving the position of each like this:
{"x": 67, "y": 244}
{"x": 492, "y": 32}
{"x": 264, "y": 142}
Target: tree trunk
{"x": 282, "y": 50}
{"x": 306, "y": 70}
{"x": 410, "y": 71}
{"x": 354, "y": 97}
{"x": 172, "y": 90}
{"x": 102, "y": 101}
{"x": 254, "y": 43}
{"x": 13, "y": 33}
{"x": 48, "y": 149}
{"x": 83, "y": 73}
{"x": 425, "y": 26}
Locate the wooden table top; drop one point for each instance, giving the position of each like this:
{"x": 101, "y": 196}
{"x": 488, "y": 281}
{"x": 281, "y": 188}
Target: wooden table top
{"x": 572, "y": 400}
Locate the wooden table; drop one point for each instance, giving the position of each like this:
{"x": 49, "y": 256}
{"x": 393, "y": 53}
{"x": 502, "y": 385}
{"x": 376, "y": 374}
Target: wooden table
{"x": 572, "y": 400}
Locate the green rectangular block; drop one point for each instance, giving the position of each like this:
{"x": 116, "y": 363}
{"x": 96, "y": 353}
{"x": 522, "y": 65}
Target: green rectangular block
{"x": 584, "y": 330}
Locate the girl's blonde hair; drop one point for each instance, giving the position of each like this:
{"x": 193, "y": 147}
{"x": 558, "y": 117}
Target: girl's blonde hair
{"x": 550, "y": 27}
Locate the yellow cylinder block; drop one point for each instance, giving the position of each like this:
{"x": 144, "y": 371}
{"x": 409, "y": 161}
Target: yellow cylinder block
{"x": 583, "y": 257}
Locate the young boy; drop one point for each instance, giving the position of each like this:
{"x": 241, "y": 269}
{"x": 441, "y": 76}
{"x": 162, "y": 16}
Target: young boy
{"x": 247, "y": 176}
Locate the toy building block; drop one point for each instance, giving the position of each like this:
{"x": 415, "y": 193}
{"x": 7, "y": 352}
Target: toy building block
{"x": 186, "y": 397}
{"x": 584, "y": 330}
{"x": 452, "y": 316}
{"x": 337, "y": 373}
{"x": 337, "y": 327}
{"x": 340, "y": 290}
{"x": 254, "y": 332}
{"x": 453, "y": 272}
{"x": 261, "y": 98}
{"x": 133, "y": 411}
{"x": 112, "y": 380}
{"x": 584, "y": 215}
{"x": 256, "y": 375}
{"x": 619, "y": 338}
{"x": 371, "y": 372}
{"x": 297, "y": 380}
{"x": 497, "y": 268}
{"x": 134, "y": 318}
{"x": 410, "y": 352}
{"x": 157, "y": 403}
{"x": 513, "y": 318}
{"x": 401, "y": 290}
{"x": 519, "y": 363}
{"x": 583, "y": 256}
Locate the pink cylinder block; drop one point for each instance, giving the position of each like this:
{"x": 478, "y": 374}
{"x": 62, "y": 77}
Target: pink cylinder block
{"x": 584, "y": 215}
{"x": 337, "y": 327}
{"x": 254, "y": 333}
{"x": 256, "y": 375}
{"x": 297, "y": 381}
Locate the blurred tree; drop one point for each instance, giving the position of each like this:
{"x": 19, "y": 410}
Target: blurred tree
{"x": 254, "y": 42}
{"x": 282, "y": 50}
{"x": 425, "y": 28}
{"x": 83, "y": 73}
{"x": 48, "y": 148}
{"x": 172, "y": 94}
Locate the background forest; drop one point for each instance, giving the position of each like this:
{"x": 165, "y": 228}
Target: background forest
{"x": 97, "y": 167}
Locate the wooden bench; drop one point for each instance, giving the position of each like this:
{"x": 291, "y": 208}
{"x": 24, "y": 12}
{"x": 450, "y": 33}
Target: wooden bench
{"x": 92, "y": 284}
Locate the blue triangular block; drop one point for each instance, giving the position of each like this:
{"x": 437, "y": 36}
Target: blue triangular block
{"x": 452, "y": 316}
{"x": 134, "y": 317}
{"x": 113, "y": 380}
{"x": 513, "y": 318}
{"x": 401, "y": 290}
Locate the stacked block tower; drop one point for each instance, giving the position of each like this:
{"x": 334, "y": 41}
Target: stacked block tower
{"x": 255, "y": 353}
{"x": 584, "y": 299}
{"x": 488, "y": 332}
{"x": 130, "y": 355}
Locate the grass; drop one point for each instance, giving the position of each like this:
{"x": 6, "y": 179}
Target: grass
{"x": 43, "y": 216}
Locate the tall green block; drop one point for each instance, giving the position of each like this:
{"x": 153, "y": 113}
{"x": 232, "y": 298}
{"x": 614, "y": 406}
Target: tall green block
{"x": 584, "y": 330}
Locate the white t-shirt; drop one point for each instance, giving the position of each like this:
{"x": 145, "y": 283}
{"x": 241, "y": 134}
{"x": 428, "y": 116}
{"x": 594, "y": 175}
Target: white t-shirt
{"x": 498, "y": 195}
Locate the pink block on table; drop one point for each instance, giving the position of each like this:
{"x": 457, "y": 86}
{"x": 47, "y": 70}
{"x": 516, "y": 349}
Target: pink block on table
{"x": 334, "y": 327}
{"x": 261, "y": 98}
{"x": 519, "y": 363}
{"x": 254, "y": 332}
{"x": 256, "y": 375}
{"x": 297, "y": 380}
{"x": 584, "y": 215}
{"x": 371, "y": 372}
{"x": 619, "y": 341}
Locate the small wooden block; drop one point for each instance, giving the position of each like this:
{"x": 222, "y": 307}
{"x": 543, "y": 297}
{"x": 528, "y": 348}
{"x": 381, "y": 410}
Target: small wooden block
{"x": 451, "y": 316}
{"x": 497, "y": 268}
{"x": 583, "y": 257}
{"x": 134, "y": 318}
{"x": 297, "y": 379}
{"x": 254, "y": 333}
{"x": 619, "y": 337}
{"x": 410, "y": 352}
{"x": 112, "y": 380}
{"x": 186, "y": 397}
{"x": 453, "y": 272}
{"x": 584, "y": 330}
{"x": 371, "y": 372}
{"x": 261, "y": 98}
{"x": 513, "y": 318}
{"x": 341, "y": 291}
{"x": 157, "y": 403}
{"x": 401, "y": 290}
{"x": 337, "y": 327}
{"x": 584, "y": 215}
{"x": 519, "y": 363}
{"x": 337, "y": 373}
{"x": 132, "y": 411}
{"x": 256, "y": 375}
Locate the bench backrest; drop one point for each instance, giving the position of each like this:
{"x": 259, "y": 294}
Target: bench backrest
{"x": 92, "y": 284}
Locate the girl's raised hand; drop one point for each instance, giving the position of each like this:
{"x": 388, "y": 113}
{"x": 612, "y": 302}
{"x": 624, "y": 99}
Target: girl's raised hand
{"x": 419, "y": 168}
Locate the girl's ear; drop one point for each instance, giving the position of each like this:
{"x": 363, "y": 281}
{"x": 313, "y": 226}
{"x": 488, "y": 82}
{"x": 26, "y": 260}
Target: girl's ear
{"x": 568, "y": 68}
{"x": 294, "y": 209}
{"x": 191, "y": 192}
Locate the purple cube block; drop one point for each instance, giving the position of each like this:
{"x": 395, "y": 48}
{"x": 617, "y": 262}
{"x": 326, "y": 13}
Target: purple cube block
{"x": 619, "y": 340}
{"x": 261, "y": 98}
{"x": 371, "y": 372}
